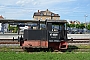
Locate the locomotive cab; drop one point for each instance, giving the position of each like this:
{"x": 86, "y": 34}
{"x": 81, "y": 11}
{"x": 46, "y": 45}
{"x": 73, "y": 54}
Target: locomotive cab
{"x": 54, "y": 35}
{"x": 57, "y": 34}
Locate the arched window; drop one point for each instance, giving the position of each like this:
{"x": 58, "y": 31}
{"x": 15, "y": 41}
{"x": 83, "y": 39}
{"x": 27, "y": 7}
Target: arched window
{"x": 52, "y": 14}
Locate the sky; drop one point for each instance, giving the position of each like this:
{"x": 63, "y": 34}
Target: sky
{"x": 67, "y": 9}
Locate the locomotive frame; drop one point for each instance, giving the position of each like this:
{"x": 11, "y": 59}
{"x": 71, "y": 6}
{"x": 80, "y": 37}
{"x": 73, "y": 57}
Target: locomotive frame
{"x": 49, "y": 37}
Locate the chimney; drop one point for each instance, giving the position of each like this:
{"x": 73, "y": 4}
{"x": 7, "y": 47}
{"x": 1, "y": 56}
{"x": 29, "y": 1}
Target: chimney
{"x": 38, "y": 11}
{"x": 47, "y": 9}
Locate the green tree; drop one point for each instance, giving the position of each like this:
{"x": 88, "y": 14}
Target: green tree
{"x": 12, "y": 28}
{"x": 77, "y": 25}
{"x": 82, "y": 25}
{"x": 88, "y": 27}
{"x": 72, "y": 25}
{"x": 68, "y": 25}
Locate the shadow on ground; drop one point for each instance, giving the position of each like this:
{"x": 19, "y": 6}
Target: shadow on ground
{"x": 71, "y": 48}
{"x": 38, "y": 50}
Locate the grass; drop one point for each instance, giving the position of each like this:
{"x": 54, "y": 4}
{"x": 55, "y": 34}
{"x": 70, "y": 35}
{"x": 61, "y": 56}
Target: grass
{"x": 12, "y": 55}
{"x": 44, "y": 56}
{"x": 84, "y": 46}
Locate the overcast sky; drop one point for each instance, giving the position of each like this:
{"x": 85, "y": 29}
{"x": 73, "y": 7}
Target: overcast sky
{"x": 24, "y": 9}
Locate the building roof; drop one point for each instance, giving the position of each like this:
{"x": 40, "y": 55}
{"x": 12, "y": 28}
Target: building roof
{"x": 28, "y": 21}
{"x": 74, "y": 22}
{"x": 1, "y": 17}
{"x": 39, "y": 13}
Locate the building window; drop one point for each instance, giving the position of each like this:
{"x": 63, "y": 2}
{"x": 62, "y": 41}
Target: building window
{"x": 52, "y": 19}
{"x": 37, "y": 18}
{"x": 57, "y": 19}
{"x": 52, "y": 14}
{"x": 41, "y": 14}
{"x": 40, "y": 18}
{"x": 46, "y": 13}
{"x": 47, "y": 18}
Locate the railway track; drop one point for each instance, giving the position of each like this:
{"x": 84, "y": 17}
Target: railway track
{"x": 79, "y": 41}
{"x": 14, "y": 45}
{"x": 15, "y": 41}
{"x": 9, "y": 41}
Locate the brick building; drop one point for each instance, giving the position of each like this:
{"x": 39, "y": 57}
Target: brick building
{"x": 43, "y": 15}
